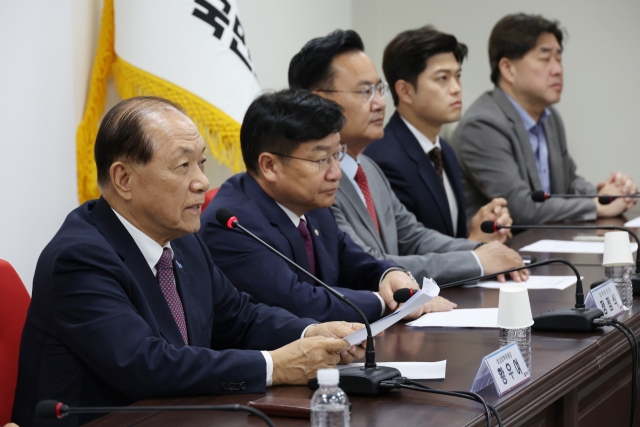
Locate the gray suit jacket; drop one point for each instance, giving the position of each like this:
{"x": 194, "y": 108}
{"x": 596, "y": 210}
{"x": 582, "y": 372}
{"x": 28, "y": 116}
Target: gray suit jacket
{"x": 402, "y": 239}
{"x": 496, "y": 160}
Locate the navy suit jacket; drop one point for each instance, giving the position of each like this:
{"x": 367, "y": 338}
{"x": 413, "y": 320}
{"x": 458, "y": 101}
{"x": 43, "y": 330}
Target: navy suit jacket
{"x": 414, "y": 179}
{"x": 252, "y": 268}
{"x": 99, "y": 331}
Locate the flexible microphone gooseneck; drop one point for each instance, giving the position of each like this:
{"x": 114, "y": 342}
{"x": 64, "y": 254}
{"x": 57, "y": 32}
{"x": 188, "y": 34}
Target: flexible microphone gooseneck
{"x": 365, "y": 380}
{"x": 48, "y": 409}
{"x": 541, "y": 196}
{"x": 491, "y": 227}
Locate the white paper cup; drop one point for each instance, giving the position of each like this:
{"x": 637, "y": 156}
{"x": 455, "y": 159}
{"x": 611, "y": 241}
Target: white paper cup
{"x": 514, "y": 310}
{"x": 617, "y": 249}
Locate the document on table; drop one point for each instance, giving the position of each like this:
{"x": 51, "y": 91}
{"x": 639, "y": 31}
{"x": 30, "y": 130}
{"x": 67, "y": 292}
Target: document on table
{"x": 634, "y": 223}
{"x": 459, "y": 318}
{"x": 413, "y": 370}
{"x": 569, "y": 246}
{"x": 534, "y": 282}
{"x": 430, "y": 290}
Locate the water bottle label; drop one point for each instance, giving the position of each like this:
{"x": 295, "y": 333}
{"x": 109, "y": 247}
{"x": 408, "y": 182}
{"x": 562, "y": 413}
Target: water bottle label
{"x": 606, "y": 298}
{"x": 504, "y": 368}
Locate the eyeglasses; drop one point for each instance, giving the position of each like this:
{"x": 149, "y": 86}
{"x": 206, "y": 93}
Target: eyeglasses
{"x": 324, "y": 163}
{"x": 368, "y": 91}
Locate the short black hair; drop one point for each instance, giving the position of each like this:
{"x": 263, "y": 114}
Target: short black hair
{"x": 311, "y": 67}
{"x": 122, "y": 134}
{"x": 279, "y": 122}
{"x": 515, "y": 35}
{"x": 406, "y": 56}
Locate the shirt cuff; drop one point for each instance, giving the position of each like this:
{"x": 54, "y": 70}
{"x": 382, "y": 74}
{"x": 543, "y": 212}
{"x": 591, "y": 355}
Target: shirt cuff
{"x": 305, "y": 329}
{"x": 269, "y": 360}
{"x": 479, "y": 263}
{"x": 384, "y": 306}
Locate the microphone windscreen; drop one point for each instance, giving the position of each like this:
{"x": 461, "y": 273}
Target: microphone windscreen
{"x": 488, "y": 227}
{"x": 538, "y": 196}
{"x": 403, "y": 295}
{"x": 47, "y": 409}
{"x": 223, "y": 216}
{"x": 605, "y": 200}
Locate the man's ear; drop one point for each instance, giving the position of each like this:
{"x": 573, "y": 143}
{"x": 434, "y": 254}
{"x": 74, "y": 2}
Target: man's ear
{"x": 269, "y": 166}
{"x": 121, "y": 175}
{"x": 507, "y": 70}
{"x": 405, "y": 91}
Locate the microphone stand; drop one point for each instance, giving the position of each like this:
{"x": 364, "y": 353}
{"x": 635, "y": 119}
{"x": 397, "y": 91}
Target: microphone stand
{"x": 360, "y": 380}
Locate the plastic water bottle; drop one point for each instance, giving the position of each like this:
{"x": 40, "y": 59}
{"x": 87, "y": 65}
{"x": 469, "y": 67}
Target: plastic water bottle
{"x": 520, "y": 336}
{"x": 329, "y": 404}
{"x": 622, "y": 280}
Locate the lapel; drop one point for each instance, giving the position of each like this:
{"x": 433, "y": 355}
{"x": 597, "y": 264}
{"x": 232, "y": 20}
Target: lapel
{"x": 320, "y": 252}
{"x": 279, "y": 220}
{"x": 523, "y": 137}
{"x": 187, "y": 293}
{"x": 558, "y": 185}
{"x": 453, "y": 172}
{"x": 354, "y": 201}
{"x": 124, "y": 245}
{"x": 426, "y": 171}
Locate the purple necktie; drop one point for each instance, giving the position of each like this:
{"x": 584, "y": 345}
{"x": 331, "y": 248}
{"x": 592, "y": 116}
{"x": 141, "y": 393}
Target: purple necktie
{"x": 308, "y": 245}
{"x": 167, "y": 283}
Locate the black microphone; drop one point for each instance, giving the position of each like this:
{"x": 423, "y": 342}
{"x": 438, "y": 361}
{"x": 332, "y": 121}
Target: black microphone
{"x": 605, "y": 200}
{"x": 491, "y": 227}
{"x": 576, "y": 319}
{"x": 48, "y": 409}
{"x": 365, "y": 380}
{"x": 541, "y": 196}
{"x": 403, "y": 295}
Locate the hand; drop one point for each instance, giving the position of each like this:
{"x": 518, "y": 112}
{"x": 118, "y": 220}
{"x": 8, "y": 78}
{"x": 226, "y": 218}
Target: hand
{"x": 298, "y": 362}
{"x": 393, "y": 281}
{"x": 496, "y": 211}
{"x": 437, "y": 304}
{"x": 495, "y": 256}
{"x": 617, "y": 184}
{"x": 340, "y": 330}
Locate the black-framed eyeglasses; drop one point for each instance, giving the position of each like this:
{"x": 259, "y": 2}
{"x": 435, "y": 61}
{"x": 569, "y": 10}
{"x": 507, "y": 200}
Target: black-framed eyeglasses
{"x": 324, "y": 163}
{"x": 368, "y": 91}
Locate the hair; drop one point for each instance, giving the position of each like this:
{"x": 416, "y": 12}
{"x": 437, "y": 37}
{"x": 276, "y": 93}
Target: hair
{"x": 406, "y": 56}
{"x": 311, "y": 67}
{"x": 515, "y": 35}
{"x": 122, "y": 134}
{"x": 279, "y": 122}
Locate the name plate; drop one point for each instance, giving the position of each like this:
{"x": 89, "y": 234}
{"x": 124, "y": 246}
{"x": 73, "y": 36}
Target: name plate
{"x": 504, "y": 368}
{"x": 606, "y": 298}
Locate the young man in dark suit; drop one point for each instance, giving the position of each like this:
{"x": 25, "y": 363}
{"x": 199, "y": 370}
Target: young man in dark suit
{"x": 423, "y": 69}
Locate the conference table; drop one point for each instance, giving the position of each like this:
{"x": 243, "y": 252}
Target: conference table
{"x": 577, "y": 379}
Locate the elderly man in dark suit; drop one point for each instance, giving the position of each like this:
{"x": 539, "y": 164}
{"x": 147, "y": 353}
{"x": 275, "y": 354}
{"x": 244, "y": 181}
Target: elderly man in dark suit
{"x": 127, "y": 303}
{"x": 365, "y": 207}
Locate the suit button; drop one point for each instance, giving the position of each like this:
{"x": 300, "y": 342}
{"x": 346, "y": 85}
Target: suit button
{"x": 243, "y": 386}
{"x": 225, "y": 386}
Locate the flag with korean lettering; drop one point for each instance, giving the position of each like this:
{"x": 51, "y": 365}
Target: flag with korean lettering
{"x": 193, "y": 52}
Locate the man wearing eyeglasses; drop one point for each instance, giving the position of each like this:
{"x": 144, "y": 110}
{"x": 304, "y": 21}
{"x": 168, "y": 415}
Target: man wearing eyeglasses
{"x": 336, "y": 67}
{"x": 291, "y": 148}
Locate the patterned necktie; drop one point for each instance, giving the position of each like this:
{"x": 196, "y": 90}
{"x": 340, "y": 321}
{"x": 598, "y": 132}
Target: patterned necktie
{"x": 361, "y": 180}
{"x": 308, "y": 245}
{"x": 436, "y": 157}
{"x": 167, "y": 283}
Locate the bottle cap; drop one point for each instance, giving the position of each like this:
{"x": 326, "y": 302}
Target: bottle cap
{"x": 328, "y": 377}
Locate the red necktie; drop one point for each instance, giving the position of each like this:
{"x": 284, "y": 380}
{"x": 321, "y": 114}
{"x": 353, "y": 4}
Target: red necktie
{"x": 308, "y": 245}
{"x": 167, "y": 283}
{"x": 361, "y": 180}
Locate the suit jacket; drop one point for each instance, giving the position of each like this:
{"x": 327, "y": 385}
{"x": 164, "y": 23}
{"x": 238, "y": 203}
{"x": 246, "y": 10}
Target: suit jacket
{"x": 496, "y": 160}
{"x": 99, "y": 331}
{"x": 414, "y": 179}
{"x": 252, "y": 268}
{"x": 402, "y": 238}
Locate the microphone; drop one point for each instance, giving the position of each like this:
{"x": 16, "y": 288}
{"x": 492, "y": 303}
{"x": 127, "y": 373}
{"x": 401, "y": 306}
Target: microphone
{"x": 403, "y": 295}
{"x": 576, "y": 319}
{"x": 491, "y": 227}
{"x": 541, "y": 196}
{"x": 49, "y": 409}
{"x": 361, "y": 380}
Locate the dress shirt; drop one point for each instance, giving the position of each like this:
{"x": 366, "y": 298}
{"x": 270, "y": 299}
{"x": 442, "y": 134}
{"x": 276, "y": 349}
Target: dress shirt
{"x": 427, "y": 146}
{"x": 538, "y": 140}
{"x": 152, "y": 252}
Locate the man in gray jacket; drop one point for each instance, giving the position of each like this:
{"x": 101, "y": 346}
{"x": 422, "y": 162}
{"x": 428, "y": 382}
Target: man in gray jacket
{"x": 511, "y": 142}
{"x": 337, "y": 68}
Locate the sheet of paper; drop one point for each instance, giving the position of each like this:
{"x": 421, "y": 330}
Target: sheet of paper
{"x": 569, "y": 246}
{"x": 413, "y": 370}
{"x": 634, "y": 223}
{"x": 460, "y": 318}
{"x": 429, "y": 291}
{"x": 534, "y": 282}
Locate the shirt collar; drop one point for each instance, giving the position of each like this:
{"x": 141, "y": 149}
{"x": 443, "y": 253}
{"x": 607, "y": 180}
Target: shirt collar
{"x": 425, "y": 142}
{"x": 527, "y": 120}
{"x": 150, "y": 249}
{"x": 292, "y": 216}
{"x": 349, "y": 166}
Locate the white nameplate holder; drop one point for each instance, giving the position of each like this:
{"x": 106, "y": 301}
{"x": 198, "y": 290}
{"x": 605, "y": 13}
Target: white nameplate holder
{"x": 504, "y": 368}
{"x": 606, "y": 298}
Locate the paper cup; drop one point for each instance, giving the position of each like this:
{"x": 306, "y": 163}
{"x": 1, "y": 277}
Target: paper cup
{"x": 514, "y": 310}
{"x": 617, "y": 249}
